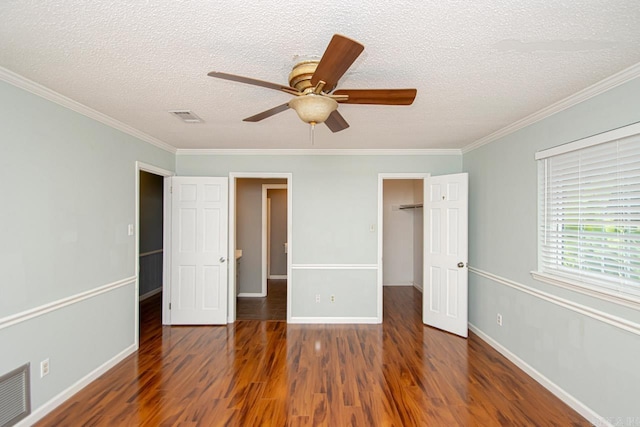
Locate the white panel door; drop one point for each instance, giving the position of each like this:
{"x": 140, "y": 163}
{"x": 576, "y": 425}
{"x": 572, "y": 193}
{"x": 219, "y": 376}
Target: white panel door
{"x": 199, "y": 251}
{"x": 445, "y": 273}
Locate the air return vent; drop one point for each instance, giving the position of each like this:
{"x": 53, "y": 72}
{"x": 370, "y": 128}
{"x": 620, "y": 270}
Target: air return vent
{"x": 15, "y": 398}
{"x": 186, "y": 116}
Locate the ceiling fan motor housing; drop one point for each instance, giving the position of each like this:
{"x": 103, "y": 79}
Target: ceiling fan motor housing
{"x": 300, "y": 76}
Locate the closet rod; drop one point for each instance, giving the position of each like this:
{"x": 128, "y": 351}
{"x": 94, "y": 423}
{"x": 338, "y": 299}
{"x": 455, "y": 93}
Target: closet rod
{"x": 411, "y": 206}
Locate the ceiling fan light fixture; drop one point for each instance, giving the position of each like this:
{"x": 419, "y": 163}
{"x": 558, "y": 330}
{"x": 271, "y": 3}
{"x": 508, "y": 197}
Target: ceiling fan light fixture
{"x": 312, "y": 108}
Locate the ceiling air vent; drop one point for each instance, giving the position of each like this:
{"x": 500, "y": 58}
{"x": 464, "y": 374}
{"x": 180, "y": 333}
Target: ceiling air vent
{"x": 186, "y": 116}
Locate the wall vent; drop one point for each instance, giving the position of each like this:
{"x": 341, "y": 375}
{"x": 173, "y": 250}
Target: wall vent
{"x": 15, "y": 396}
{"x": 186, "y": 116}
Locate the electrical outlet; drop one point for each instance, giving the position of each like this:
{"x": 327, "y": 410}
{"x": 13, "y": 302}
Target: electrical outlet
{"x": 499, "y": 319}
{"x": 317, "y": 298}
{"x": 44, "y": 368}
{"x": 333, "y": 298}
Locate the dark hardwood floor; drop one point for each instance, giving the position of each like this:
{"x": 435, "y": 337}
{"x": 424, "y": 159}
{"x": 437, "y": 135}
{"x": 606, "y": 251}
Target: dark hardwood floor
{"x": 271, "y": 307}
{"x": 268, "y": 373}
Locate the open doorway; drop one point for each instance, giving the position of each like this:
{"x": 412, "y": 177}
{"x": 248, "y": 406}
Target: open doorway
{"x": 151, "y": 217}
{"x": 401, "y": 235}
{"x": 150, "y": 235}
{"x": 274, "y": 232}
{"x": 261, "y": 248}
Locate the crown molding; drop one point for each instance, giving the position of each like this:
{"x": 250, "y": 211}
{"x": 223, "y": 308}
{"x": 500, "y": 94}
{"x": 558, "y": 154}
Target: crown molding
{"x": 318, "y": 152}
{"x": 600, "y": 87}
{"x": 53, "y": 96}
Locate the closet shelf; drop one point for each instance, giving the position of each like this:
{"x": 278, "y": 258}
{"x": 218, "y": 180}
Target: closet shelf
{"x": 411, "y": 206}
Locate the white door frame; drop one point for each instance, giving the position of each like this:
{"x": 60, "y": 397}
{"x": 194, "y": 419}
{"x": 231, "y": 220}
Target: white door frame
{"x": 266, "y": 232}
{"x": 381, "y": 177}
{"x": 233, "y": 176}
{"x": 166, "y": 240}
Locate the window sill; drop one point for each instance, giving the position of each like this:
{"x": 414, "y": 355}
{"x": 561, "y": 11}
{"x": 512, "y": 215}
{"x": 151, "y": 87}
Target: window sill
{"x": 583, "y": 288}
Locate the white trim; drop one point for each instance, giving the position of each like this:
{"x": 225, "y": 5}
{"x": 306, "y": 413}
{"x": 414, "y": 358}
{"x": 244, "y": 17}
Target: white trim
{"x": 600, "y": 293}
{"x": 558, "y": 391}
{"x": 334, "y": 320}
{"x": 251, "y": 295}
{"x": 334, "y": 267}
{"x": 233, "y": 176}
{"x": 418, "y": 286}
{"x": 157, "y": 251}
{"x": 13, "y": 319}
{"x": 150, "y": 294}
{"x": 601, "y": 316}
{"x": 594, "y": 90}
{"x": 166, "y": 243}
{"x": 317, "y": 152}
{"x": 265, "y": 232}
{"x": 53, "y": 96}
{"x": 154, "y": 169}
{"x": 590, "y": 141}
{"x": 278, "y": 277}
{"x": 56, "y": 401}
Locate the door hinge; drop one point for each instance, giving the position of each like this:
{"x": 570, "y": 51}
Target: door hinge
{"x": 171, "y": 190}
{"x": 169, "y": 306}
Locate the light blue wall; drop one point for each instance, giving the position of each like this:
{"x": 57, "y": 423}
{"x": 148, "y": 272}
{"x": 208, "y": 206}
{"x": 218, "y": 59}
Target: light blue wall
{"x": 335, "y": 201}
{"x": 68, "y": 190}
{"x": 595, "y": 362}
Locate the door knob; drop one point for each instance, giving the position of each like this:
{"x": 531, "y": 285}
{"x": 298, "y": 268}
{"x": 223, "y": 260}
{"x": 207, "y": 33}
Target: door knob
{"x": 460, "y": 264}
{"x": 222, "y": 259}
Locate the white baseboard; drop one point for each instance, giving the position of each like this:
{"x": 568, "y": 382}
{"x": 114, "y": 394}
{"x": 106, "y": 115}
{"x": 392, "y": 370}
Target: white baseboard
{"x": 559, "y": 392}
{"x": 251, "y": 295}
{"x": 278, "y": 277}
{"x": 150, "y": 293}
{"x": 418, "y": 286}
{"x": 49, "y": 406}
{"x": 334, "y": 320}
{"x": 398, "y": 284}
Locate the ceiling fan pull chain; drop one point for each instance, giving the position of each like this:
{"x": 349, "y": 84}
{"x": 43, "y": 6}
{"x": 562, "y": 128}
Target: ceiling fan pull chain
{"x": 312, "y": 133}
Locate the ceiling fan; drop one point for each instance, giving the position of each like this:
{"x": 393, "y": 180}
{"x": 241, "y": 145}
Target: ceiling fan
{"x": 312, "y": 83}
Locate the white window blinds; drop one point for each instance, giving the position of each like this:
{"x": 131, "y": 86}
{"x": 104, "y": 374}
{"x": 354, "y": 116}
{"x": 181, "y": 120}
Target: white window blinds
{"x": 589, "y": 215}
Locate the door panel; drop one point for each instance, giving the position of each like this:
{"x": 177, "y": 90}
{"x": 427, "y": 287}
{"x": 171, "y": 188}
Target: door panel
{"x": 445, "y": 302}
{"x": 199, "y": 252}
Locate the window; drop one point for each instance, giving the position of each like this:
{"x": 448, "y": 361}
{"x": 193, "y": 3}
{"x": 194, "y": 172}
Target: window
{"x": 589, "y": 212}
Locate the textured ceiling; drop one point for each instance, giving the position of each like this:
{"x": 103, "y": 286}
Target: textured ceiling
{"x": 478, "y": 66}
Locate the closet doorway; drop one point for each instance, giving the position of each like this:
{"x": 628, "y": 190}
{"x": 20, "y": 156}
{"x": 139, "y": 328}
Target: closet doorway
{"x": 401, "y": 233}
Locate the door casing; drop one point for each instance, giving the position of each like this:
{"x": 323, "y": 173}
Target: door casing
{"x": 166, "y": 239}
{"x": 266, "y": 231}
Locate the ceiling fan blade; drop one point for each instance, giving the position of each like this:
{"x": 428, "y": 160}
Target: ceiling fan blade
{"x": 378, "y": 96}
{"x": 336, "y": 60}
{"x": 336, "y": 122}
{"x": 251, "y": 81}
{"x": 266, "y": 114}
